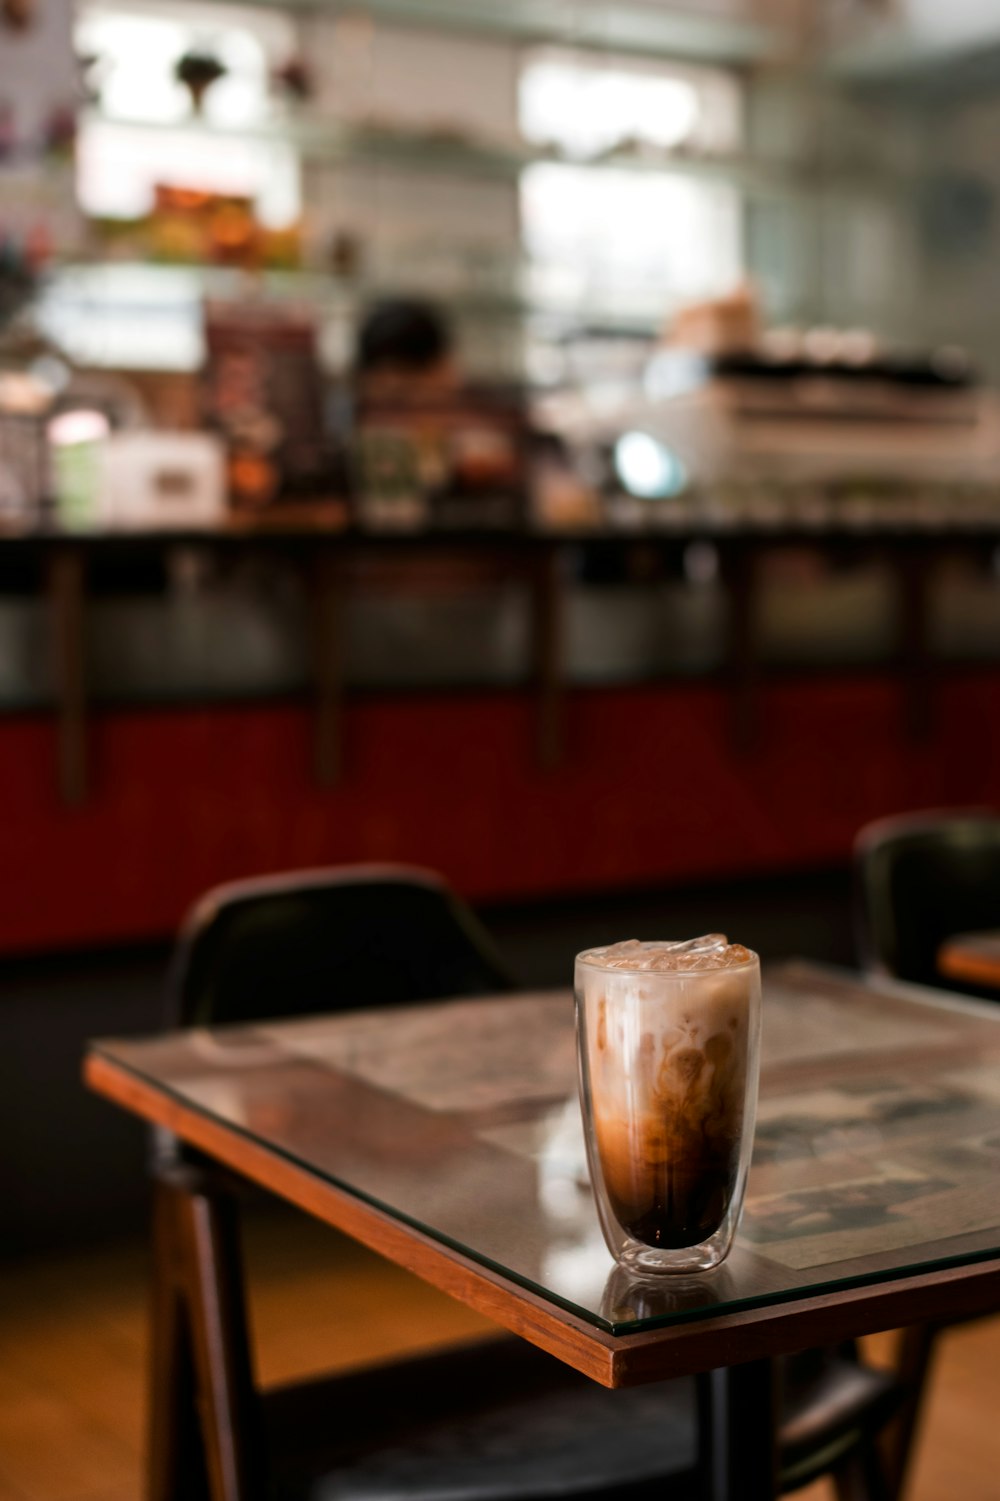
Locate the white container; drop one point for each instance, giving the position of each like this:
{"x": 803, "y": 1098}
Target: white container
{"x": 163, "y": 480}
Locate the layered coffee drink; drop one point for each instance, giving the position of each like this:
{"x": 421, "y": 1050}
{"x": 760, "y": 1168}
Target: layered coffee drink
{"x": 668, "y": 1053}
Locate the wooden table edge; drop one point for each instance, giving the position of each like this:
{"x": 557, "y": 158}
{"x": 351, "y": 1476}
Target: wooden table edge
{"x": 613, "y": 1360}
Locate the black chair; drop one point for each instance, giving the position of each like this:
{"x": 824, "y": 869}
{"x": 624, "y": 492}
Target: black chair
{"x": 495, "y": 1421}
{"x": 920, "y": 879}
{"x": 317, "y": 941}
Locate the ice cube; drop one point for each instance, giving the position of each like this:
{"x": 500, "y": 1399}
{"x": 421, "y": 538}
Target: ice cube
{"x": 712, "y": 951}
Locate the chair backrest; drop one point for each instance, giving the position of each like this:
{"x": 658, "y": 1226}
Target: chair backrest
{"x": 919, "y": 879}
{"x": 328, "y": 940}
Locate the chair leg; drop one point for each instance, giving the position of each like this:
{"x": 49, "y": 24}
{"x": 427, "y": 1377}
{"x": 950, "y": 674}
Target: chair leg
{"x": 175, "y": 1452}
{"x": 861, "y": 1478}
{"x": 914, "y": 1352}
{"x": 203, "y": 1416}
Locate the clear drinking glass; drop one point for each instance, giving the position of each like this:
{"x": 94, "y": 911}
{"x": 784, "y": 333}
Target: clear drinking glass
{"x": 669, "y": 1040}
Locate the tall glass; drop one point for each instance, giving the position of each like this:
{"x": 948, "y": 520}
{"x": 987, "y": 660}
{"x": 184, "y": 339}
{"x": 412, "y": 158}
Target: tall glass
{"x": 669, "y": 1041}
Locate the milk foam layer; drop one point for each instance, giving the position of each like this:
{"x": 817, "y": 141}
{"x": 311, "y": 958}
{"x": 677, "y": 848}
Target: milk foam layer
{"x": 669, "y": 1037}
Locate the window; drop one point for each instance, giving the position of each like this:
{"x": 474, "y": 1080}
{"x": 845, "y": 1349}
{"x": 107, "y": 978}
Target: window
{"x": 637, "y": 238}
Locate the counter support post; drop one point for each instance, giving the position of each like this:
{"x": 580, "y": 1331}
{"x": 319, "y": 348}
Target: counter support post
{"x": 65, "y": 590}
{"x": 913, "y": 574}
{"x": 739, "y": 569}
{"x": 548, "y": 656}
{"x": 327, "y": 601}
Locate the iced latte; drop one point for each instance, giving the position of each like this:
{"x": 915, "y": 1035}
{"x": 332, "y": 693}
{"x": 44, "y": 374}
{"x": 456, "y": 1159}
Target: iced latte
{"x": 668, "y": 1036}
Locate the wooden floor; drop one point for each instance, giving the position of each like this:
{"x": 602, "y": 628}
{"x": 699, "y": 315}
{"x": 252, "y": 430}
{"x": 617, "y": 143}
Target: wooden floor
{"x": 72, "y": 1361}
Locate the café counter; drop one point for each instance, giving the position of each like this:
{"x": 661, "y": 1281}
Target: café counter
{"x": 530, "y": 711}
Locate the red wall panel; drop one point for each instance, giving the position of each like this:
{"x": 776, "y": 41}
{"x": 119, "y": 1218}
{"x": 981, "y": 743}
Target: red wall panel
{"x": 652, "y": 789}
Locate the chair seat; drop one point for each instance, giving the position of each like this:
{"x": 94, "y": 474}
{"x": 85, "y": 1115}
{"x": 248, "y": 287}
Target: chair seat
{"x": 502, "y": 1421}
{"x": 831, "y": 1405}
{"x": 494, "y": 1422}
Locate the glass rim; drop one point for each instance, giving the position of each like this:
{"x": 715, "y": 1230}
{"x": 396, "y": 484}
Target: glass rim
{"x": 584, "y": 958}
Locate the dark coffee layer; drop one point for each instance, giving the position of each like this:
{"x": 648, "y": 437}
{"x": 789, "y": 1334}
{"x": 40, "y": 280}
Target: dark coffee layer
{"x": 678, "y": 1208}
{"x": 668, "y": 1188}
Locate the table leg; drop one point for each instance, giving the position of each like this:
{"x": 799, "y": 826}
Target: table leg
{"x": 737, "y": 1427}
{"x": 203, "y": 1409}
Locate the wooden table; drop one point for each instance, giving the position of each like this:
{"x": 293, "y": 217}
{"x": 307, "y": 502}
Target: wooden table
{"x": 447, "y": 1138}
{"x": 973, "y": 958}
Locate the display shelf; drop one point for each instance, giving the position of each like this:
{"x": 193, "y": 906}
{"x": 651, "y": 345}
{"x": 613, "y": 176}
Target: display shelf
{"x": 156, "y": 305}
{"x": 334, "y": 142}
{"x": 146, "y": 281}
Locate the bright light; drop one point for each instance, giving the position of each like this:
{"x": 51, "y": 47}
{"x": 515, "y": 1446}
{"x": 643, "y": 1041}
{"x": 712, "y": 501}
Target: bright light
{"x": 138, "y": 55}
{"x": 647, "y": 468}
{"x": 124, "y": 150}
{"x": 83, "y": 426}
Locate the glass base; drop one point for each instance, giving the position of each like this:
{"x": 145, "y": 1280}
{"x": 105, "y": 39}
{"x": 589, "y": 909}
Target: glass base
{"x": 645, "y": 1261}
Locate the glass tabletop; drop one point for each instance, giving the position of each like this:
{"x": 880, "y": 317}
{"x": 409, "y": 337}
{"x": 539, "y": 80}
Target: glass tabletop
{"x": 877, "y": 1150}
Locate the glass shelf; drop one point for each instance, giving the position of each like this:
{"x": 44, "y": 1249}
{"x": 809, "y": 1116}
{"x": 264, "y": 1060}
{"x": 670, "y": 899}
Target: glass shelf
{"x": 647, "y": 30}
{"x": 340, "y": 143}
{"x": 116, "y": 312}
